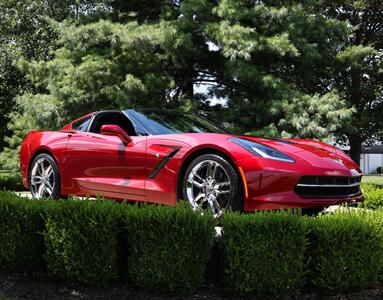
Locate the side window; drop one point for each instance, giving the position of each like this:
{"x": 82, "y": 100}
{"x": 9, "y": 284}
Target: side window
{"x": 81, "y": 125}
{"x": 112, "y": 118}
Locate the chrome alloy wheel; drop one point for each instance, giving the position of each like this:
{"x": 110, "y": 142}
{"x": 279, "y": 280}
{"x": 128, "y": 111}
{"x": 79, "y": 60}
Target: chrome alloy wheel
{"x": 208, "y": 186}
{"x": 42, "y": 179}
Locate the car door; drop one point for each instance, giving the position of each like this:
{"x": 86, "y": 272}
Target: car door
{"x": 102, "y": 165}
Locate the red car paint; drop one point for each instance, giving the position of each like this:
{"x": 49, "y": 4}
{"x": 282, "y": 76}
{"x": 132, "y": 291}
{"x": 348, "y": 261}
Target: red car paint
{"x": 93, "y": 164}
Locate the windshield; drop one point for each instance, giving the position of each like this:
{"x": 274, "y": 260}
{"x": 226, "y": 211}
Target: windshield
{"x": 171, "y": 121}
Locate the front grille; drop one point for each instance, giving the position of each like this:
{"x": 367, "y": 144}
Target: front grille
{"x": 328, "y": 186}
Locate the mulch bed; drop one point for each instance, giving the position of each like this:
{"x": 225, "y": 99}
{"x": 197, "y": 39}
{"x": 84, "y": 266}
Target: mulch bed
{"x": 22, "y": 286}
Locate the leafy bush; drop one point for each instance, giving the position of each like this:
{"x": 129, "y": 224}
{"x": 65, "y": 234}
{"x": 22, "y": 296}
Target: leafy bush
{"x": 21, "y": 233}
{"x": 264, "y": 253}
{"x": 373, "y": 196}
{"x": 11, "y": 182}
{"x": 168, "y": 247}
{"x": 379, "y": 170}
{"x": 346, "y": 251}
{"x": 81, "y": 241}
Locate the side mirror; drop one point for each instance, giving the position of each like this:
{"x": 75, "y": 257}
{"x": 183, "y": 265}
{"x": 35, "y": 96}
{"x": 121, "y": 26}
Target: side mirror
{"x": 116, "y": 130}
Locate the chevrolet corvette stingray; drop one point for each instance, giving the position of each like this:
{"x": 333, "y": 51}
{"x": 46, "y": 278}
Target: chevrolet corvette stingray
{"x": 160, "y": 156}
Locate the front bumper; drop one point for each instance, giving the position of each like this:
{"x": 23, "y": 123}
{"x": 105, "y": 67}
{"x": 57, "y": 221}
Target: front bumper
{"x": 271, "y": 185}
{"x": 292, "y": 200}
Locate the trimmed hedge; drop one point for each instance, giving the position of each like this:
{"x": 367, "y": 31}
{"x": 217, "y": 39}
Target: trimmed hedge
{"x": 346, "y": 251}
{"x": 168, "y": 248}
{"x": 263, "y": 253}
{"x": 373, "y": 196}
{"x": 22, "y": 227}
{"x": 11, "y": 182}
{"x": 81, "y": 241}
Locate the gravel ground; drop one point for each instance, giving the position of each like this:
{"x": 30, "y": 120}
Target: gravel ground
{"x": 20, "y": 286}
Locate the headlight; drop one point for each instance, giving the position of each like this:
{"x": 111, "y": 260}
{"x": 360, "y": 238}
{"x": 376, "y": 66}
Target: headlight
{"x": 262, "y": 150}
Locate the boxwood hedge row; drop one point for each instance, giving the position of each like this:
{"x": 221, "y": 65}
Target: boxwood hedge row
{"x": 81, "y": 241}
{"x": 167, "y": 249}
{"x": 263, "y": 253}
{"x": 11, "y": 182}
{"x": 373, "y": 196}
{"x": 346, "y": 251}
{"x": 22, "y": 225}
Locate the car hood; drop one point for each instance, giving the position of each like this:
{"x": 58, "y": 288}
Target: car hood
{"x": 311, "y": 152}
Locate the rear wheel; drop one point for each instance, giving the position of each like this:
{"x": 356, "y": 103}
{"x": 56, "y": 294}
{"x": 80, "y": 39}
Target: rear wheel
{"x": 44, "y": 177}
{"x": 211, "y": 182}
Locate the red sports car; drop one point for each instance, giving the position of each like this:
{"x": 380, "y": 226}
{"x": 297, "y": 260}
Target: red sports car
{"x": 160, "y": 156}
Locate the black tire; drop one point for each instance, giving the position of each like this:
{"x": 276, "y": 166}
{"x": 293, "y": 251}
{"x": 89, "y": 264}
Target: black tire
{"x": 234, "y": 199}
{"x": 47, "y": 161}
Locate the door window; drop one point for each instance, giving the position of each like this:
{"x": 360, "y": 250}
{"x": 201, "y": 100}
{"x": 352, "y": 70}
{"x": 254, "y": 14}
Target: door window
{"x": 82, "y": 125}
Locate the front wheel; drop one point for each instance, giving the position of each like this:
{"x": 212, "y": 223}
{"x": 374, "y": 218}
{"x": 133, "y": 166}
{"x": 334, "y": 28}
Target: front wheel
{"x": 211, "y": 182}
{"x": 44, "y": 177}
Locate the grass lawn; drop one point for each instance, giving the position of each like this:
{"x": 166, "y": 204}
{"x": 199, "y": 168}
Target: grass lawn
{"x": 378, "y": 180}
{"x": 2, "y": 297}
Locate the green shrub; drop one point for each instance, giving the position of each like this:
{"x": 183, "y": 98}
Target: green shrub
{"x": 11, "y": 182}
{"x": 346, "y": 251}
{"x": 21, "y": 233}
{"x": 263, "y": 253}
{"x": 168, "y": 247}
{"x": 373, "y": 196}
{"x": 379, "y": 170}
{"x": 81, "y": 241}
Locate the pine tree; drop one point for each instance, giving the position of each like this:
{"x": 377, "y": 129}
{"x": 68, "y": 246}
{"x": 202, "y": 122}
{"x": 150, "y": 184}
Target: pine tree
{"x": 359, "y": 77}
{"x": 278, "y": 65}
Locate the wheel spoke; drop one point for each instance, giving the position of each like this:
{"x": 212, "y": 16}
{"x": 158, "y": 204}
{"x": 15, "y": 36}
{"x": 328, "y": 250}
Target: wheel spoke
{"x": 200, "y": 196}
{"x": 49, "y": 185}
{"x": 222, "y": 184}
{"x": 48, "y": 171}
{"x": 223, "y": 192}
{"x": 36, "y": 180}
{"x": 197, "y": 184}
{"x": 49, "y": 190}
{"x": 214, "y": 205}
{"x": 211, "y": 169}
{"x": 197, "y": 176}
{"x": 40, "y": 191}
{"x": 40, "y": 167}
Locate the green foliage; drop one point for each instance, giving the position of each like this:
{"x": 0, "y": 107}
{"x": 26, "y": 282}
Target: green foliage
{"x": 21, "y": 233}
{"x": 2, "y": 297}
{"x": 379, "y": 170}
{"x": 373, "y": 196}
{"x": 375, "y": 180}
{"x": 104, "y": 65}
{"x": 359, "y": 64}
{"x": 168, "y": 247}
{"x": 274, "y": 63}
{"x": 25, "y": 32}
{"x": 28, "y": 33}
{"x": 37, "y": 112}
{"x": 11, "y": 182}
{"x": 81, "y": 241}
{"x": 346, "y": 251}
{"x": 281, "y": 56}
{"x": 263, "y": 254}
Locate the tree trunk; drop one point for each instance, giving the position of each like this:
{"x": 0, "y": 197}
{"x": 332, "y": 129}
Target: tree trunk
{"x": 355, "y": 149}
